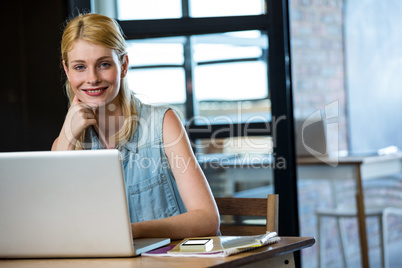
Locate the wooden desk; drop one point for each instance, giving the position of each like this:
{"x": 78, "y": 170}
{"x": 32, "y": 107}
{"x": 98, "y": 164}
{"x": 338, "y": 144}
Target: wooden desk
{"x": 357, "y": 168}
{"x": 275, "y": 254}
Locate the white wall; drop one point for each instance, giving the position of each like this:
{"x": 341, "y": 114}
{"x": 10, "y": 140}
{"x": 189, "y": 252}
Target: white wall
{"x": 373, "y": 36}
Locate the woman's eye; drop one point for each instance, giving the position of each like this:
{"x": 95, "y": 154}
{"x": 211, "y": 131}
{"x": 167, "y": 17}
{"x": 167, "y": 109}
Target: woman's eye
{"x": 79, "y": 67}
{"x": 105, "y": 65}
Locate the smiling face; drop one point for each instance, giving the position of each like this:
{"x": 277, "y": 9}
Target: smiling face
{"x": 94, "y": 73}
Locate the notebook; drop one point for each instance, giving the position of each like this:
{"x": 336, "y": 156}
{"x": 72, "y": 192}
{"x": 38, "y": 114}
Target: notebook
{"x": 223, "y": 246}
{"x": 66, "y": 204}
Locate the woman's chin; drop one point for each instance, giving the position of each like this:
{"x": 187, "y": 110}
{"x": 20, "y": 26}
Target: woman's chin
{"x": 98, "y": 103}
{"x": 95, "y": 105}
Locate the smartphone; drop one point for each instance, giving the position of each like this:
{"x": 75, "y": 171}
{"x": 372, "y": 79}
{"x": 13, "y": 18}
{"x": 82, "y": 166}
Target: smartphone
{"x": 200, "y": 245}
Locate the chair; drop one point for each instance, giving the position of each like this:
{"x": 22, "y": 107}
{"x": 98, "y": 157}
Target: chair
{"x": 340, "y": 212}
{"x": 386, "y": 213}
{"x": 346, "y": 213}
{"x": 266, "y": 207}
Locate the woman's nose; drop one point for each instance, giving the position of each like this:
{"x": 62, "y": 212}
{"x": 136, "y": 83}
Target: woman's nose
{"x": 93, "y": 77}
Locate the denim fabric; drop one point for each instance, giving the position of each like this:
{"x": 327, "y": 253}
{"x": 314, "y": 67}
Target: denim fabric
{"x": 151, "y": 189}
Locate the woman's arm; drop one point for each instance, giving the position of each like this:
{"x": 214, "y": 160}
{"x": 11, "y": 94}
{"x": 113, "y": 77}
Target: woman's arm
{"x": 202, "y": 218}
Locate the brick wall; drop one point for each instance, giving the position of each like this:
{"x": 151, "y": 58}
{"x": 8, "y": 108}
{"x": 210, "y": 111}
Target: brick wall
{"x": 318, "y": 74}
{"x": 318, "y": 70}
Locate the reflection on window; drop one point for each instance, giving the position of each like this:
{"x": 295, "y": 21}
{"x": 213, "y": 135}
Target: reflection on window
{"x": 239, "y": 147}
{"x": 149, "y": 9}
{"x": 233, "y": 112}
{"x": 230, "y": 163}
{"x": 218, "y": 8}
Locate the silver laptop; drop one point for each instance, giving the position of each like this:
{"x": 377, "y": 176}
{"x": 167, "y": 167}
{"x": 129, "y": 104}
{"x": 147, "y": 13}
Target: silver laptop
{"x": 66, "y": 204}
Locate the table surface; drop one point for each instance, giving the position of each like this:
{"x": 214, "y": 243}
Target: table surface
{"x": 284, "y": 246}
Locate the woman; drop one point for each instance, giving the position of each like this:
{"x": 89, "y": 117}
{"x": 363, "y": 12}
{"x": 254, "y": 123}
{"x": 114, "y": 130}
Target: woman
{"x": 167, "y": 192}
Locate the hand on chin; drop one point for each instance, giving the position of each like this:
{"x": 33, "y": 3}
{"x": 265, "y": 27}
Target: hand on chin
{"x": 93, "y": 104}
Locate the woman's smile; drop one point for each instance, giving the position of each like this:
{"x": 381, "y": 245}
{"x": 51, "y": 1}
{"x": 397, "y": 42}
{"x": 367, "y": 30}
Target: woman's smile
{"x": 94, "y": 92}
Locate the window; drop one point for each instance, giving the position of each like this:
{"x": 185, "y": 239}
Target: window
{"x": 216, "y": 49}
{"x": 202, "y": 8}
{"x": 217, "y": 79}
{"x": 149, "y": 9}
{"x": 156, "y": 72}
{"x": 229, "y": 75}
{"x": 169, "y": 9}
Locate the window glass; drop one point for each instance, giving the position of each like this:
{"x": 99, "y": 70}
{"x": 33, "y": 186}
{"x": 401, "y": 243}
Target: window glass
{"x": 156, "y": 72}
{"x": 149, "y": 9}
{"x": 215, "y": 8}
{"x": 159, "y": 86}
{"x": 158, "y": 51}
{"x": 230, "y": 77}
{"x": 231, "y": 81}
{"x": 234, "y": 45}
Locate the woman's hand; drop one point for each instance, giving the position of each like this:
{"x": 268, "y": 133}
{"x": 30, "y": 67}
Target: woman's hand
{"x": 79, "y": 117}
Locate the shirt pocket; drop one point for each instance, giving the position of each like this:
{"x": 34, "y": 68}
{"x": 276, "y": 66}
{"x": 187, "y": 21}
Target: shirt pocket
{"x": 152, "y": 199}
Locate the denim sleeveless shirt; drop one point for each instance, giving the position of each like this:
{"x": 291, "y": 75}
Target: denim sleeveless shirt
{"x": 151, "y": 189}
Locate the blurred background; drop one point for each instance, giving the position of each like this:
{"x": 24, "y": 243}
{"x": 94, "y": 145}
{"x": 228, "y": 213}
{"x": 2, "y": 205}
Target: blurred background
{"x": 213, "y": 63}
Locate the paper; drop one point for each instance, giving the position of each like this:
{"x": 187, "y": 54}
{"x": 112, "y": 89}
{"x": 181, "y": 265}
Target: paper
{"x": 223, "y": 246}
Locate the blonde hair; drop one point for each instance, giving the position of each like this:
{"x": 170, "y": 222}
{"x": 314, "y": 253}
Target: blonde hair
{"x": 104, "y": 31}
